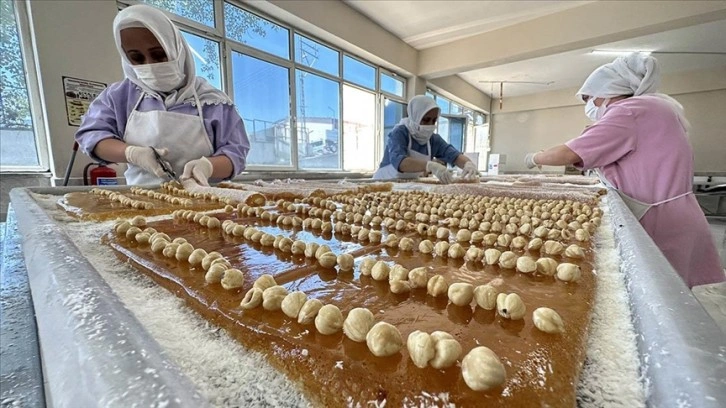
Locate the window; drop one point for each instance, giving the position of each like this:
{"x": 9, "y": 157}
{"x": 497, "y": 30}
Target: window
{"x": 359, "y": 73}
{"x": 206, "y": 58}
{"x": 456, "y": 109}
{"x": 318, "y": 117}
{"x": 443, "y": 104}
{"x": 201, "y": 11}
{"x": 393, "y": 112}
{"x": 392, "y": 85}
{"x": 262, "y": 96}
{"x": 254, "y": 31}
{"x": 19, "y": 144}
{"x": 315, "y": 55}
{"x": 359, "y": 129}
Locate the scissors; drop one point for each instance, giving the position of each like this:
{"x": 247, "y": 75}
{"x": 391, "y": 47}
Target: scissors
{"x": 164, "y": 165}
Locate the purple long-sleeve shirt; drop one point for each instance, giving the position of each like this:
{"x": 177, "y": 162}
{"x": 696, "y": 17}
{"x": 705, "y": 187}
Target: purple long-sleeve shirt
{"x": 107, "y": 116}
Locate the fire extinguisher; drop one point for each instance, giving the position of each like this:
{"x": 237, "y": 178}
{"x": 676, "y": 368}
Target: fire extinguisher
{"x": 101, "y": 175}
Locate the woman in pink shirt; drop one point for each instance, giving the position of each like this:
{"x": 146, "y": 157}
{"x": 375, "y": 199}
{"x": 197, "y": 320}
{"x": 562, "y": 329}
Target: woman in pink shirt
{"x": 639, "y": 146}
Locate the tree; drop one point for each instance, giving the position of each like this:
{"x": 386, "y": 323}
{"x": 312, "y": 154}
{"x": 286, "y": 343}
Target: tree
{"x": 14, "y": 103}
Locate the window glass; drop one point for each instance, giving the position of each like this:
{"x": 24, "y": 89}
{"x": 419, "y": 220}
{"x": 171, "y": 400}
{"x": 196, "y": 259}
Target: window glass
{"x": 443, "y": 104}
{"x": 479, "y": 119}
{"x": 315, "y": 55}
{"x": 359, "y": 73}
{"x": 318, "y": 117}
{"x": 393, "y": 112}
{"x": 201, "y": 11}
{"x": 442, "y": 127}
{"x": 391, "y": 85}
{"x": 430, "y": 95}
{"x": 455, "y": 109}
{"x": 255, "y": 31}
{"x": 206, "y": 58}
{"x": 17, "y": 135}
{"x": 262, "y": 96}
{"x": 359, "y": 120}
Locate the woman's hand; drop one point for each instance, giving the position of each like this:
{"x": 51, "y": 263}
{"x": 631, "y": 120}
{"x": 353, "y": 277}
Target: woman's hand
{"x": 470, "y": 170}
{"x": 200, "y": 170}
{"x": 145, "y": 158}
{"x": 440, "y": 171}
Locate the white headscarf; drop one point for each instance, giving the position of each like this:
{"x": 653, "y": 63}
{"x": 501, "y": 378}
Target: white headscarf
{"x": 635, "y": 74}
{"x": 177, "y": 50}
{"x": 417, "y": 108}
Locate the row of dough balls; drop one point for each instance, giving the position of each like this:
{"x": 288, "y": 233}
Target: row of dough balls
{"x": 174, "y": 188}
{"x": 439, "y": 349}
{"x": 122, "y": 199}
{"x": 474, "y": 253}
{"x": 187, "y": 202}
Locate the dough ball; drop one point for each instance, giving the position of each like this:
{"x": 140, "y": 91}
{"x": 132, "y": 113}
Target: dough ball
{"x": 311, "y": 248}
{"x": 298, "y": 247}
{"x": 546, "y": 266}
{"x": 169, "y": 250}
{"x": 504, "y": 240}
{"x": 329, "y": 320}
{"x": 510, "y": 306}
{"x": 207, "y": 260}
{"x": 426, "y": 247}
{"x": 345, "y": 262}
{"x": 267, "y": 240}
{"x": 357, "y": 324}
{"x": 541, "y": 231}
{"x": 511, "y": 229}
{"x": 158, "y": 245}
{"x": 400, "y": 286}
{"x": 272, "y": 297}
{"x": 566, "y": 235}
{"x": 473, "y": 254}
{"x": 392, "y": 241}
{"x": 518, "y": 242}
{"x": 461, "y": 294}
{"x": 525, "y": 229}
{"x": 132, "y": 232}
{"x": 384, "y": 340}
{"x": 257, "y": 236}
{"x": 535, "y": 244}
{"x": 375, "y": 237}
{"x": 233, "y": 278}
{"x": 418, "y": 277}
{"x": 285, "y": 245}
{"x": 456, "y": 251}
{"x": 554, "y": 234}
{"x": 249, "y": 232}
{"x": 363, "y": 234}
{"x": 491, "y": 256}
{"x": 547, "y": 320}
{"x": 490, "y": 239}
{"x": 184, "y": 251}
{"x": 406, "y": 244}
{"x": 122, "y": 227}
{"x": 446, "y": 350}
{"x": 321, "y": 250}
{"x": 215, "y": 273}
{"x": 252, "y": 299}
{"x": 582, "y": 235}
{"x": 380, "y": 271}
{"x": 508, "y": 260}
{"x": 197, "y": 256}
{"x": 477, "y": 237}
{"x": 526, "y": 264}
{"x": 264, "y": 281}
{"x": 574, "y": 251}
{"x": 421, "y": 348}
{"x": 138, "y": 221}
{"x": 366, "y": 265}
{"x": 328, "y": 260}
{"x": 568, "y": 272}
{"x": 463, "y": 235}
{"x": 398, "y": 272}
{"x": 482, "y": 369}
{"x": 553, "y": 248}
{"x": 442, "y": 233}
{"x": 441, "y": 248}
{"x": 239, "y": 230}
{"x": 486, "y": 296}
{"x": 309, "y": 311}
{"x": 437, "y": 286}
{"x": 292, "y": 303}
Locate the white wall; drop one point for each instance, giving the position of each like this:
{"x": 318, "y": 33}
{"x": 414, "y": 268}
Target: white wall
{"x": 533, "y": 122}
{"x": 71, "y": 38}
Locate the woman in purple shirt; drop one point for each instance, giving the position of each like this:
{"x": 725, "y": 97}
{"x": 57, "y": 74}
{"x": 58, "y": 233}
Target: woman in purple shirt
{"x": 639, "y": 147}
{"x": 162, "y": 106}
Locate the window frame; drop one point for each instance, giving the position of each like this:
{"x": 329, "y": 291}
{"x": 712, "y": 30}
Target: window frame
{"x": 36, "y": 102}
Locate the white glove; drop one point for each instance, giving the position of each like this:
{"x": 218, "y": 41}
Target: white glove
{"x": 529, "y": 161}
{"x": 144, "y": 157}
{"x": 199, "y": 170}
{"x": 440, "y": 171}
{"x": 470, "y": 170}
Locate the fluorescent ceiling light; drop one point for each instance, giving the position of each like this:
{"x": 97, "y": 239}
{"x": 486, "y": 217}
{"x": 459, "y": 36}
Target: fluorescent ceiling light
{"x": 619, "y": 52}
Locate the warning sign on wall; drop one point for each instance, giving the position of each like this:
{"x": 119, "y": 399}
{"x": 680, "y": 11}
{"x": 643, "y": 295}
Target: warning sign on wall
{"x": 79, "y": 95}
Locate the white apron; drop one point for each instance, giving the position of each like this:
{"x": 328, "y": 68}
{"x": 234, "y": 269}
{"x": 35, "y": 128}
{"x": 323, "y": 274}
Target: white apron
{"x": 390, "y": 172}
{"x": 184, "y": 135}
{"x": 638, "y": 207}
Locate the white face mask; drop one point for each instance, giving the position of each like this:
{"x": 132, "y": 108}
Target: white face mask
{"x": 424, "y": 133}
{"x": 593, "y": 111}
{"x": 161, "y": 77}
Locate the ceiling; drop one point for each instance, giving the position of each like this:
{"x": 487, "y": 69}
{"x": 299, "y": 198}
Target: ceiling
{"x": 425, "y": 24}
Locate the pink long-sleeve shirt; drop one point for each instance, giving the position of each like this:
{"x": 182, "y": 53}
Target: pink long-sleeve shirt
{"x": 642, "y": 149}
